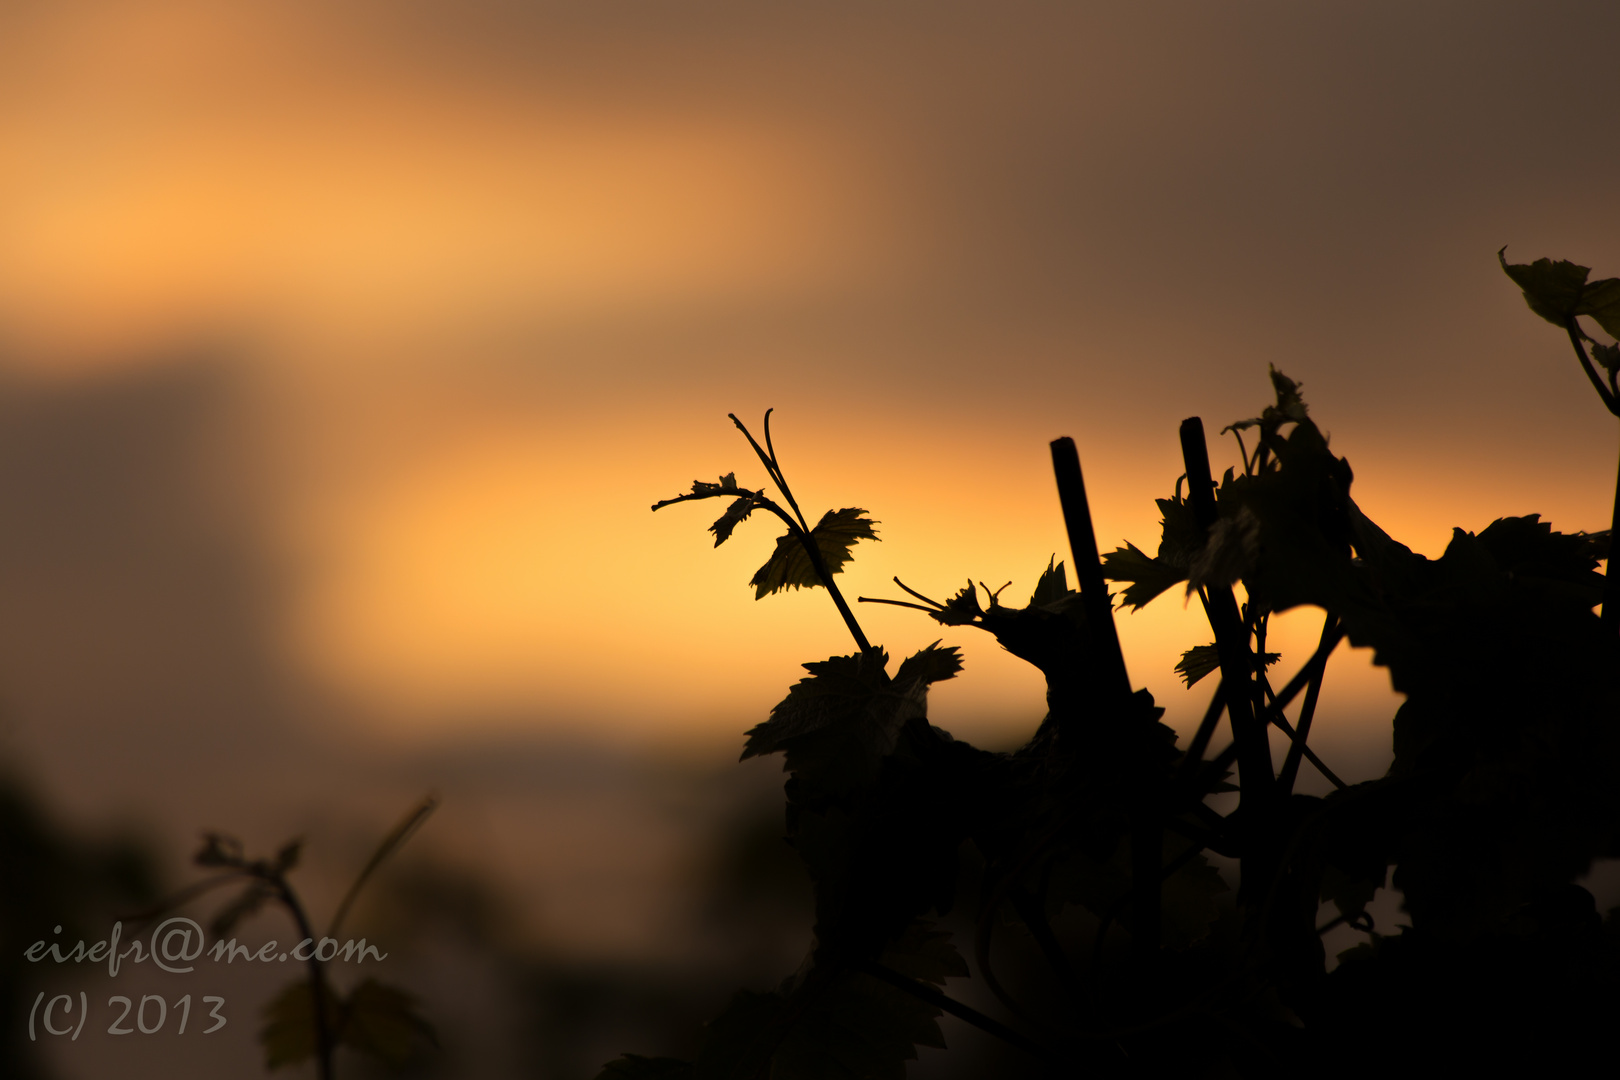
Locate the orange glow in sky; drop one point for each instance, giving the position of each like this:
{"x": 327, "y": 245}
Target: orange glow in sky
{"x": 483, "y": 306}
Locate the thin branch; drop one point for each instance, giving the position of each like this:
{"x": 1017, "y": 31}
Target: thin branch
{"x": 767, "y": 455}
{"x": 1307, "y": 711}
{"x": 892, "y": 603}
{"x": 718, "y": 492}
{"x": 1206, "y": 728}
{"x": 1242, "y": 450}
{"x": 913, "y": 592}
{"x": 781, "y": 477}
{"x": 185, "y": 895}
{"x": 1609, "y": 613}
{"x": 391, "y": 843}
{"x": 1276, "y": 717}
{"x": 813, "y": 550}
{"x": 1610, "y": 402}
{"x": 1289, "y": 692}
{"x": 769, "y": 461}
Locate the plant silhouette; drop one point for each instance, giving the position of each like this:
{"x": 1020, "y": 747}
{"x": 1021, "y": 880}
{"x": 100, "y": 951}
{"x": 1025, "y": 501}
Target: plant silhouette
{"x": 311, "y": 1018}
{"x": 1093, "y": 838}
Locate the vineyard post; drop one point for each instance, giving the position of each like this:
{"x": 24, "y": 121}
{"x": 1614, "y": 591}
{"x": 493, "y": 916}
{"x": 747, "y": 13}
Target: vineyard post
{"x": 1147, "y": 833}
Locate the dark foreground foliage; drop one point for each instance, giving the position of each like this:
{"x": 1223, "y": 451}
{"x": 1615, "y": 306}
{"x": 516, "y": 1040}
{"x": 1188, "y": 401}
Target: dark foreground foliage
{"x": 1504, "y": 789}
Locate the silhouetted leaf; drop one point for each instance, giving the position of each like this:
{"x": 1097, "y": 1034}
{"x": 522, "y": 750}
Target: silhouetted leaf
{"x": 1053, "y": 586}
{"x": 1103, "y": 886}
{"x": 961, "y": 609}
{"x": 833, "y": 1026}
{"x": 1607, "y": 356}
{"x": 1552, "y": 289}
{"x": 1200, "y": 660}
{"x": 740, "y": 1035}
{"x": 841, "y": 721}
{"x": 789, "y": 565}
{"x": 838, "y": 691}
{"x": 1197, "y": 662}
{"x": 925, "y": 953}
{"x": 636, "y": 1067}
{"x": 1180, "y": 538}
{"x": 288, "y": 1036}
{"x": 1601, "y": 300}
{"x": 1558, "y": 291}
{"x": 703, "y": 489}
{"x": 375, "y": 1019}
{"x": 1148, "y": 577}
{"x": 383, "y": 1022}
{"x": 737, "y": 512}
{"x": 1290, "y": 407}
{"x": 1349, "y": 893}
{"x": 837, "y": 725}
{"x": 929, "y": 665}
{"x": 1187, "y": 899}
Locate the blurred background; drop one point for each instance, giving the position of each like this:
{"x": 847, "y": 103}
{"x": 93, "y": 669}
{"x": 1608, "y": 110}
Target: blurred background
{"x": 345, "y": 345}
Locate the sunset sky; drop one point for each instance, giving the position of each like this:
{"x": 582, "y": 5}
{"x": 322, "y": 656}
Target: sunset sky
{"x": 345, "y": 345}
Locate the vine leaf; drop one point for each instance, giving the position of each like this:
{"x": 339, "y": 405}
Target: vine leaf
{"x": 1180, "y": 542}
{"x": 1053, "y": 587}
{"x": 837, "y": 725}
{"x": 383, "y": 1022}
{"x": 736, "y": 513}
{"x": 926, "y": 954}
{"x": 1290, "y": 407}
{"x": 288, "y": 1036}
{"x": 1607, "y": 357}
{"x": 961, "y": 609}
{"x": 789, "y": 565}
{"x": 376, "y": 1020}
{"x": 929, "y": 665}
{"x": 1102, "y": 885}
{"x": 1200, "y": 660}
{"x": 1147, "y": 576}
{"x": 1350, "y": 893}
{"x": 1558, "y": 291}
{"x": 856, "y": 1027}
{"x": 636, "y": 1067}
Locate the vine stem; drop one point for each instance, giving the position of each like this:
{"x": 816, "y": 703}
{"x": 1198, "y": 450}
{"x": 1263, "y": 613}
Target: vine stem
{"x": 1307, "y": 711}
{"x": 317, "y": 981}
{"x": 1609, "y": 613}
{"x": 1206, "y": 730}
{"x": 1255, "y": 775}
{"x": 801, "y": 529}
{"x": 390, "y": 843}
{"x": 1575, "y": 335}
